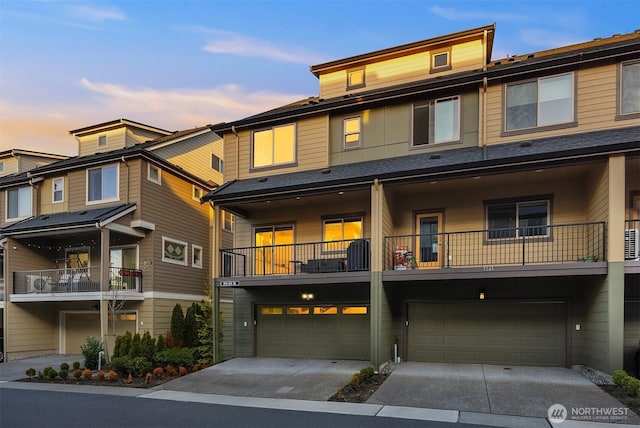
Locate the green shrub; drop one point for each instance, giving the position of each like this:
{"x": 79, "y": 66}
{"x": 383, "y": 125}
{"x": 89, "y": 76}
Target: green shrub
{"x": 618, "y": 376}
{"x": 356, "y": 380}
{"x": 77, "y": 373}
{"x": 46, "y": 371}
{"x": 366, "y": 373}
{"x": 148, "y": 346}
{"x": 31, "y": 372}
{"x": 161, "y": 344}
{"x": 126, "y": 344}
{"x": 176, "y": 357}
{"x": 52, "y": 374}
{"x": 136, "y": 346}
{"x": 191, "y": 326}
{"x": 64, "y": 374}
{"x": 177, "y": 326}
{"x": 64, "y": 366}
{"x": 121, "y": 365}
{"x": 76, "y": 365}
{"x": 632, "y": 385}
{"x": 116, "y": 347}
{"x": 91, "y": 351}
{"x": 140, "y": 366}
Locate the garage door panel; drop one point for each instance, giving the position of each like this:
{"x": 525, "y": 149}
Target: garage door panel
{"x": 514, "y": 333}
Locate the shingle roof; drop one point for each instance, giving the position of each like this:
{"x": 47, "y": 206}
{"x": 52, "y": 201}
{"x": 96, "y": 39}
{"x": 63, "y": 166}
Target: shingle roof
{"x": 426, "y": 164}
{"x": 66, "y": 219}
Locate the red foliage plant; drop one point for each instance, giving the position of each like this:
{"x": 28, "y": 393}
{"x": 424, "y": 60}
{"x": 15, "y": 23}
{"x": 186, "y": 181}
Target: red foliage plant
{"x": 158, "y": 372}
{"x": 112, "y": 376}
{"x": 101, "y": 375}
{"x": 182, "y": 370}
{"x": 87, "y": 374}
{"x": 168, "y": 339}
{"x": 171, "y": 371}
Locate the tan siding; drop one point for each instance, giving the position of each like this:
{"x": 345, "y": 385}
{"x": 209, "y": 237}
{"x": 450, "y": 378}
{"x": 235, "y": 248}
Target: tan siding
{"x": 10, "y": 166}
{"x": 598, "y": 196}
{"x": 33, "y": 329}
{"x": 162, "y": 310}
{"x": 230, "y": 158}
{"x": 88, "y": 144}
{"x": 136, "y": 135}
{"x": 46, "y": 196}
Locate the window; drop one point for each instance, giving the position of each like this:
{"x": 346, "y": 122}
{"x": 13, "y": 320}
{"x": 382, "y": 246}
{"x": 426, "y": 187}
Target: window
{"x": 436, "y": 121}
{"x": 542, "y": 102}
{"x": 174, "y": 251}
{"x": 217, "y": 163}
{"x": 354, "y": 310}
{"x": 341, "y": 231}
{"x": 355, "y": 79}
{"x": 1, "y": 166}
{"x": 102, "y": 184}
{"x": 58, "y": 190}
{"x": 630, "y": 88}
{"x": 271, "y": 310}
{"x": 351, "y": 127}
{"x": 298, "y": 310}
{"x": 154, "y": 174}
{"x": 227, "y": 222}
{"x": 197, "y": 193}
{"x": 196, "y": 256}
{"x": 274, "y": 249}
{"x": 227, "y": 264}
{"x": 440, "y": 61}
{"x": 275, "y": 146}
{"x": 19, "y": 203}
{"x": 518, "y": 219}
{"x": 325, "y": 310}
{"x": 102, "y": 141}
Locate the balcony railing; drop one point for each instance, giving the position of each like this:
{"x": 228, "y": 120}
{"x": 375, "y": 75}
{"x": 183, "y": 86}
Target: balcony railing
{"x": 569, "y": 243}
{"x": 632, "y": 240}
{"x": 80, "y": 280}
{"x": 296, "y": 259}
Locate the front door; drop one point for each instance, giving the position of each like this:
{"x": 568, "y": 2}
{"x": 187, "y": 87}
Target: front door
{"x": 429, "y": 240}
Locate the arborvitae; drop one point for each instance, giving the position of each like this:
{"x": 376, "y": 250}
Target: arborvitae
{"x": 125, "y": 346}
{"x": 191, "y": 326}
{"x": 161, "y": 344}
{"x": 136, "y": 346}
{"x": 177, "y": 326}
{"x": 148, "y": 346}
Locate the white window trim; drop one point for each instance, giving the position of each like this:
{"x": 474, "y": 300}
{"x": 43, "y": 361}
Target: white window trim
{"x": 102, "y": 201}
{"x": 6, "y": 205}
{"x": 53, "y": 190}
{"x": 172, "y": 261}
{"x": 106, "y": 141}
{"x": 193, "y": 253}
{"x": 345, "y": 134}
{"x": 153, "y": 180}
{"x": 440, "y": 67}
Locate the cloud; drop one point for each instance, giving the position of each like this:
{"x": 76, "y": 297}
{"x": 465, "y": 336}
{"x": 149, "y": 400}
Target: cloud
{"x": 45, "y": 127}
{"x": 93, "y": 14}
{"x": 466, "y": 15}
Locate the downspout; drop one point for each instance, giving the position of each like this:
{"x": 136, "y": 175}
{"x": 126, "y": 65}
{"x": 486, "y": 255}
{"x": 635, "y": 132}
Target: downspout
{"x": 483, "y": 118}
{"x": 233, "y": 129}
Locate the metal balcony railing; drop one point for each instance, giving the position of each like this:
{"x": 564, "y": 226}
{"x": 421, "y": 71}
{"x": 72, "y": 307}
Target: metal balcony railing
{"x": 632, "y": 240}
{"x": 568, "y": 243}
{"x": 296, "y": 259}
{"x": 80, "y": 280}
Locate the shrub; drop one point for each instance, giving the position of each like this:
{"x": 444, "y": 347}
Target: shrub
{"x": 148, "y": 346}
{"x": 161, "y": 344}
{"x": 101, "y": 375}
{"x": 618, "y": 376}
{"x": 52, "y": 374}
{"x": 125, "y": 345}
{"x": 77, "y": 373}
{"x": 76, "y": 365}
{"x": 46, "y": 371}
{"x": 136, "y": 346}
{"x": 632, "y": 385}
{"x": 64, "y": 374}
{"x": 158, "y": 372}
{"x": 182, "y": 371}
{"x": 64, "y": 366}
{"x": 116, "y": 347}
{"x": 148, "y": 378}
{"x": 356, "y": 379}
{"x": 112, "y": 376}
{"x": 31, "y": 372}
{"x": 191, "y": 326}
{"x": 176, "y": 357}
{"x": 139, "y": 366}
{"x": 87, "y": 374}
{"x": 168, "y": 340}
{"x": 177, "y": 326}
{"x": 171, "y": 371}
{"x": 121, "y": 365}
{"x": 366, "y": 373}
{"x": 91, "y": 351}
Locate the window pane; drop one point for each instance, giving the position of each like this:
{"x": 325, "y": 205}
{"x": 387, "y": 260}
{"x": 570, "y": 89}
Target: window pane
{"x": 283, "y": 144}
{"x": 502, "y": 221}
{"x": 556, "y": 100}
{"x": 522, "y": 105}
{"x": 352, "y": 229}
{"x": 174, "y": 251}
{"x": 325, "y": 310}
{"x": 447, "y": 127}
{"x": 354, "y": 310}
{"x": 532, "y": 218}
{"x": 631, "y": 88}
{"x": 356, "y": 78}
{"x": 298, "y": 311}
{"x": 95, "y": 184}
{"x": 352, "y": 125}
{"x": 109, "y": 182}
{"x": 332, "y": 230}
{"x": 12, "y": 201}
{"x": 271, "y": 311}
{"x": 263, "y": 148}
{"x": 441, "y": 59}
{"x": 420, "y": 124}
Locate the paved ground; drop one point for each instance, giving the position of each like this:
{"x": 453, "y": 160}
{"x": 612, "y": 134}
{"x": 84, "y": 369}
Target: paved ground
{"x": 13, "y": 370}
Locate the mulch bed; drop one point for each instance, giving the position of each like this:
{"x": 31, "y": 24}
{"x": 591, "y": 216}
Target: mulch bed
{"x": 136, "y": 382}
{"x": 622, "y": 396}
{"x": 349, "y": 394}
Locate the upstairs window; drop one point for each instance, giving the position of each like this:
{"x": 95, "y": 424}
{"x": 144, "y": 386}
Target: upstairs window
{"x": 228, "y": 221}
{"x": 351, "y": 127}
{"x": 196, "y": 256}
{"x": 441, "y": 61}
{"x": 517, "y": 219}
{"x": 436, "y": 121}
{"x": 102, "y": 140}
{"x": 174, "y": 251}
{"x": 217, "y": 164}
{"x": 341, "y": 231}
{"x": 542, "y": 102}
{"x": 197, "y": 193}
{"x": 355, "y": 79}
{"x": 102, "y": 184}
{"x": 58, "y": 190}
{"x": 1, "y": 167}
{"x": 154, "y": 174}
{"x": 274, "y": 146}
{"x": 19, "y": 203}
{"x": 630, "y": 88}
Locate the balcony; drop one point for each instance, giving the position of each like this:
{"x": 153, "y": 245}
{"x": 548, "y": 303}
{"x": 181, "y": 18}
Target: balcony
{"x": 56, "y": 283}
{"x": 544, "y": 250}
{"x": 332, "y": 259}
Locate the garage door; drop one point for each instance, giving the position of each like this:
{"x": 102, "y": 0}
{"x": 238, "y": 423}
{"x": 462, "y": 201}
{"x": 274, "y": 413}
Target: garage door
{"x": 325, "y": 332}
{"x": 513, "y": 333}
{"x": 79, "y": 325}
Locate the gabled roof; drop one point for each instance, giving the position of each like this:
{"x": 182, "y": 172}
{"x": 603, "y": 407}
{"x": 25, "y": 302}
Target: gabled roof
{"x": 419, "y": 166}
{"x": 19, "y": 152}
{"x": 68, "y": 220}
{"x": 106, "y": 126}
{"x": 176, "y": 136}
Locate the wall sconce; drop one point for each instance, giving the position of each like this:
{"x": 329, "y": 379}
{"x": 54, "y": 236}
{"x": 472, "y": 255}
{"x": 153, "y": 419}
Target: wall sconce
{"x": 481, "y": 294}
{"x": 307, "y": 296}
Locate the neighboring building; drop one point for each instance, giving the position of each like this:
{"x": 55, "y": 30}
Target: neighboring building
{"x": 434, "y": 205}
{"x": 121, "y": 223}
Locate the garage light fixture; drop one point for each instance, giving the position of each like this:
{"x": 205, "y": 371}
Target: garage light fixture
{"x": 481, "y": 294}
{"x": 307, "y": 296}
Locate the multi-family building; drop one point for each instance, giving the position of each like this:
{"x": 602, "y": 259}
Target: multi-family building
{"x": 432, "y": 204}
{"x": 109, "y": 240}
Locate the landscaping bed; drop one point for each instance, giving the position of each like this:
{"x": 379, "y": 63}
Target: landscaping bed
{"x": 362, "y": 385}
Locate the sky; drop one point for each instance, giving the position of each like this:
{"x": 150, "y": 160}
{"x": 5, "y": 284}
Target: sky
{"x": 176, "y": 65}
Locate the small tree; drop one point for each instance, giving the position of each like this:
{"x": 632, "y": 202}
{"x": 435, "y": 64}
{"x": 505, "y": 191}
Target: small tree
{"x": 191, "y": 326}
{"x": 161, "y": 344}
{"x": 148, "y": 346}
{"x": 91, "y": 351}
{"x": 206, "y": 332}
{"x": 136, "y": 346}
{"x": 177, "y": 326}
{"x": 125, "y": 345}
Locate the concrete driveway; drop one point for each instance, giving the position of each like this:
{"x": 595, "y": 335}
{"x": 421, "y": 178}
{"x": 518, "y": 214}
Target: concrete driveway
{"x": 476, "y": 389}
{"x": 15, "y": 369}
{"x": 271, "y": 378}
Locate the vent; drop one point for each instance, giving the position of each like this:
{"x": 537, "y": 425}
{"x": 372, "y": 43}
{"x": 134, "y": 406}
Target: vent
{"x": 325, "y": 171}
{"x": 631, "y": 244}
{"x": 526, "y": 144}
{"x": 262, "y": 180}
{"x": 434, "y": 156}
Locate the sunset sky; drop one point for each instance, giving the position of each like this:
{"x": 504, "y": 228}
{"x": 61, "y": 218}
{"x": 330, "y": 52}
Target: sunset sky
{"x": 180, "y": 64}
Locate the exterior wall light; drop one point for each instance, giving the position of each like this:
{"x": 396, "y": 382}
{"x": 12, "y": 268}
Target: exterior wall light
{"x": 307, "y": 296}
{"x": 481, "y": 294}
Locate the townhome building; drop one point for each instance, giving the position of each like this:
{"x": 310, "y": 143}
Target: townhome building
{"x": 109, "y": 240}
{"x": 432, "y": 204}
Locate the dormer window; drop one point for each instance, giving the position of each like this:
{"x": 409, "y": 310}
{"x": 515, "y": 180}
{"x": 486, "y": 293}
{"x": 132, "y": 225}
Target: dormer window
{"x": 440, "y": 61}
{"x": 102, "y": 141}
{"x": 355, "y": 78}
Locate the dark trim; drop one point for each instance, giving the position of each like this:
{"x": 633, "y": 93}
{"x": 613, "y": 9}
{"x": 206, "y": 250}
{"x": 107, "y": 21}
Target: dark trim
{"x": 619, "y": 114}
{"x": 632, "y": 195}
{"x": 432, "y": 67}
{"x": 253, "y": 168}
{"x": 359, "y": 278}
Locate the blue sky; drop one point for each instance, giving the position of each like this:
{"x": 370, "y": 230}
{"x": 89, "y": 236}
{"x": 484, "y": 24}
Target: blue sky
{"x": 179, "y": 64}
